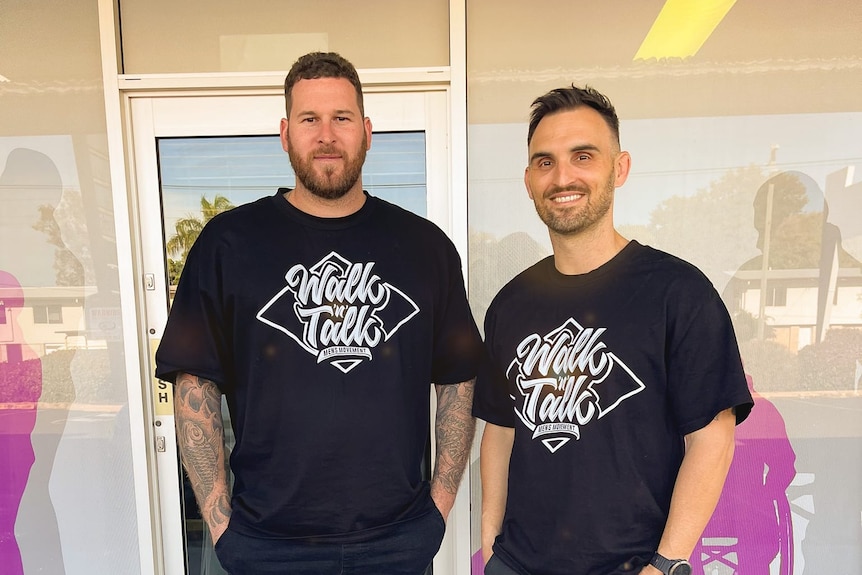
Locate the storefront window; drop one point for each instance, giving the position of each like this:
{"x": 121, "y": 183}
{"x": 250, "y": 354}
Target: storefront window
{"x": 67, "y": 499}
{"x": 746, "y": 162}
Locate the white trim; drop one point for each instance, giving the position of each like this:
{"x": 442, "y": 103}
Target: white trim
{"x": 153, "y": 312}
{"x": 437, "y": 161}
{"x": 141, "y": 463}
{"x": 458, "y": 126}
{"x": 455, "y": 557}
{"x": 400, "y": 78}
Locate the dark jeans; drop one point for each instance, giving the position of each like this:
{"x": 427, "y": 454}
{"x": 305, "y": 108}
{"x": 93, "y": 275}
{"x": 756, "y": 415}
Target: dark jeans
{"x": 496, "y": 567}
{"x": 405, "y": 548}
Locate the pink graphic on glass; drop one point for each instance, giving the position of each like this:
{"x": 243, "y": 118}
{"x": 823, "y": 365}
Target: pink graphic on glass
{"x": 751, "y": 525}
{"x": 20, "y": 388}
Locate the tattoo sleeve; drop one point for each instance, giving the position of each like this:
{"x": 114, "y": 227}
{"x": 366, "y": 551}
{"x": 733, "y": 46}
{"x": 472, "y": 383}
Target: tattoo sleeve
{"x": 200, "y": 436}
{"x": 454, "y": 431}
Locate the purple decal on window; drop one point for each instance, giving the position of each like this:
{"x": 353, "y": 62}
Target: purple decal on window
{"x": 477, "y": 564}
{"x": 751, "y": 525}
{"x": 20, "y": 388}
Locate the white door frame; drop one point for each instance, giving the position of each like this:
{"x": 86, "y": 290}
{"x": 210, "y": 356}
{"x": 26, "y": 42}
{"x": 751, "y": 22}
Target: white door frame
{"x": 243, "y": 104}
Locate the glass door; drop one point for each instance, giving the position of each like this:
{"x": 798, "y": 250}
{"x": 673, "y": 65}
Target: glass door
{"x": 195, "y": 156}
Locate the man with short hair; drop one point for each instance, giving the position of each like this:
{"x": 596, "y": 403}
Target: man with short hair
{"x": 323, "y": 314}
{"x": 615, "y": 380}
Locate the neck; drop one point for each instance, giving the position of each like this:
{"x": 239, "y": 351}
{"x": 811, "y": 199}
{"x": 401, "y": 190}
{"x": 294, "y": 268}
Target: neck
{"x": 581, "y": 254}
{"x": 305, "y": 201}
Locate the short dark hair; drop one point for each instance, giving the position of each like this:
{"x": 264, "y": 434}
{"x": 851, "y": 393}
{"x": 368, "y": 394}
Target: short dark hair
{"x": 321, "y": 65}
{"x": 563, "y": 99}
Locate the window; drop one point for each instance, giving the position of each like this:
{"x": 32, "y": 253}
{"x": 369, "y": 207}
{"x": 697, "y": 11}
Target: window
{"x": 47, "y": 314}
{"x": 776, "y": 296}
{"x": 202, "y": 176}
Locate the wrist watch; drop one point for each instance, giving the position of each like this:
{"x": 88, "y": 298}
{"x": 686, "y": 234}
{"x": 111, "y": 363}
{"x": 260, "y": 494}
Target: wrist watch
{"x": 670, "y": 566}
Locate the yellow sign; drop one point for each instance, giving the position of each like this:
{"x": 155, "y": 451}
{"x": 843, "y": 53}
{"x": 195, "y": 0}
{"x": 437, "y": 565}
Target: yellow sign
{"x": 163, "y": 392}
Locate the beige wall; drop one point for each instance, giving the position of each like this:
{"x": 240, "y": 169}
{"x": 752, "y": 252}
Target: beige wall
{"x": 165, "y": 36}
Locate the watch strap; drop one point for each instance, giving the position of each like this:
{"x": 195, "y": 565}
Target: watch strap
{"x": 664, "y": 564}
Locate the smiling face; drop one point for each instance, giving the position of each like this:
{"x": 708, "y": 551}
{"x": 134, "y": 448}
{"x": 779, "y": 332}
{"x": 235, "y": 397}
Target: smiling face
{"x": 575, "y": 165}
{"x": 326, "y": 137}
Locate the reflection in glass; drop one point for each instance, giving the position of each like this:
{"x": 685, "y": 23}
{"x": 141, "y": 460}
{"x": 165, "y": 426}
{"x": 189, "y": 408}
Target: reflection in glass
{"x": 202, "y": 177}
{"x": 31, "y": 192}
{"x": 762, "y": 470}
{"x": 785, "y": 300}
{"x": 63, "y": 347}
{"x": 20, "y": 387}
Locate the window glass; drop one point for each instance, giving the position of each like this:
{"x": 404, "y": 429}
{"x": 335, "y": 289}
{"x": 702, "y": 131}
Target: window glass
{"x": 746, "y": 162}
{"x": 203, "y": 176}
{"x": 66, "y": 479}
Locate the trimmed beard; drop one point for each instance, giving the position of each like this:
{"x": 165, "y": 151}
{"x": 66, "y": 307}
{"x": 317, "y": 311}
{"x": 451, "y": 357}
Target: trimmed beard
{"x": 565, "y": 224}
{"x": 328, "y": 184}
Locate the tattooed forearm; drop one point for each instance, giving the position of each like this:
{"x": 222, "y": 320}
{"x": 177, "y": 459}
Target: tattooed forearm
{"x": 454, "y": 436}
{"x": 200, "y": 436}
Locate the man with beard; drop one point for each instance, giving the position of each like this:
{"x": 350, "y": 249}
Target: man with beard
{"x": 323, "y": 315}
{"x": 615, "y": 380}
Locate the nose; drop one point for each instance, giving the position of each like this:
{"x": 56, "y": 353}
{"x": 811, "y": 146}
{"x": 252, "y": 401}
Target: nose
{"x": 565, "y": 174}
{"x": 326, "y": 134}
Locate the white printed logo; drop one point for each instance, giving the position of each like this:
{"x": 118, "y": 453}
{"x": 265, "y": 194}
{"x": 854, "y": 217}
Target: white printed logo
{"x": 337, "y": 310}
{"x": 563, "y": 381}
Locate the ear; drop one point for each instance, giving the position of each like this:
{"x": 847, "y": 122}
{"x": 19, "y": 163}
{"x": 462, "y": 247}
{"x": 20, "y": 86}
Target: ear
{"x": 368, "y": 130}
{"x": 527, "y": 182}
{"x": 622, "y": 165}
{"x": 282, "y": 130}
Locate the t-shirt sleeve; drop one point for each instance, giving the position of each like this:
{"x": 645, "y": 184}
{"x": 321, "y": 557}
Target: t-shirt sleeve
{"x": 457, "y": 344}
{"x": 491, "y": 400}
{"x": 194, "y": 340}
{"x": 705, "y": 373}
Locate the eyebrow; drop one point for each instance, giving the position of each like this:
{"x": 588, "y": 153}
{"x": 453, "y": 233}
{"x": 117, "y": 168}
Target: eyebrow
{"x": 580, "y": 148}
{"x": 345, "y": 112}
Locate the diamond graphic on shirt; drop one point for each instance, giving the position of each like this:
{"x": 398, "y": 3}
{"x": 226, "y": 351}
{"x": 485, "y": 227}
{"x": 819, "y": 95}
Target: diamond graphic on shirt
{"x": 337, "y": 310}
{"x": 555, "y": 443}
{"x": 564, "y": 382}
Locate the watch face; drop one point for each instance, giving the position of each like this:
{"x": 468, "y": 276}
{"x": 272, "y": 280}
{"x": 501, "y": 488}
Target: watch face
{"x": 681, "y": 568}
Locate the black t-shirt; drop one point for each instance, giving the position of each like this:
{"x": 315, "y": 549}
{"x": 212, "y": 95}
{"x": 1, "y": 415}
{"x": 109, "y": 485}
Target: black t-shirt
{"x": 601, "y": 375}
{"x": 325, "y": 335}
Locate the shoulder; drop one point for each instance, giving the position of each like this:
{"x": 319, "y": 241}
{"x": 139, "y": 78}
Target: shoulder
{"x": 684, "y": 295}
{"x": 647, "y": 254}
{"x": 523, "y": 285}
{"x": 232, "y": 232}
{"x": 237, "y": 222}
{"x": 404, "y": 223}
{"x": 240, "y": 215}
{"x": 243, "y": 212}
{"x": 401, "y": 217}
{"x": 672, "y": 271}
